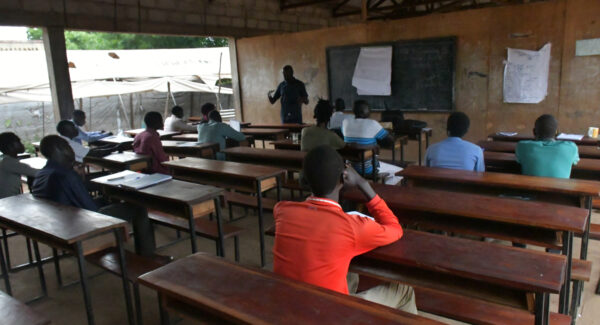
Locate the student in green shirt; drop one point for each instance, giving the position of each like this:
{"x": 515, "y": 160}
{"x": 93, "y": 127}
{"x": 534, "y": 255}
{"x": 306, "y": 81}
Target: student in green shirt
{"x": 217, "y": 131}
{"x": 314, "y": 136}
{"x": 545, "y": 156}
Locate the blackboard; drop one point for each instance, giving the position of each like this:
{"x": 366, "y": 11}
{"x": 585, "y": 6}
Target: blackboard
{"x": 422, "y": 75}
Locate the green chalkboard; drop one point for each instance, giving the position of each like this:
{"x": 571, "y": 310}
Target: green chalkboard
{"x": 422, "y": 75}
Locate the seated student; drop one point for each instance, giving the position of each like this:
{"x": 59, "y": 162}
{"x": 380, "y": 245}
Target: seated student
{"x": 545, "y": 156}
{"x": 148, "y": 143}
{"x": 454, "y": 152}
{"x": 338, "y": 117}
{"x": 79, "y": 120}
{"x": 362, "y": 130}
{"x": 175, "y": 122}
{"x": 315, "y": 239}
{"x": 58, "y": 182}
{"x": 11, "y": 168}
{"x": 205, "y": 110}
{"x": 317, "y": 135}
{"x": 217, "y": 131}
{"x": 68, "y": 131}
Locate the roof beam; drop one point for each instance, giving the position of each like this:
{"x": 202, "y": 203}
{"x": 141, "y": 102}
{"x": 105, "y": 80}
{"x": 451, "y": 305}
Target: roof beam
{"x": 283, "y": 5}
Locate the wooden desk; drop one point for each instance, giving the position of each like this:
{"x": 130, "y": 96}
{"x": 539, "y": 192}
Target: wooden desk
{"x": 125, "y": 141}
{"x": 290, "y": 160}
{"x": 290, "y": 127}
{"x": 35, "y": 162}
{"x": 456, "y": 264}
{"x": 536, "y": 223}
{"x": 507, "y": 146}
{"x": 23, "y": 155}
{"x": 266, "y": 134}
{"x": 286, "y": 144}
{"x": 244, "y": 295}
{"x": 585, "y": 141}
{"x": 15, "y": 312}
{"x": 182, "y": 199}
{"x": 65, "y": 228}
{"x": 162, "y": 133}
{"x": 189, "y": 149}
{"x": 427, "y": 132}
{"x": 586, "y": 168}
{"x": 196, "y": 119}
{"x": 120, "y": 161}
{"x": 232, "y": 175}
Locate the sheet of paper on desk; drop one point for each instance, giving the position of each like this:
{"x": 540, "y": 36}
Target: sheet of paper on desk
{"x": 507, "y": 134}
{"x": 235, "y": 125}
{"x": 356, "y": 213}
{"x": 146, "y": 180}
{"x": 391, "y": 170}
{"x": 188, "y": 144}
{"x": 567, "y": 136}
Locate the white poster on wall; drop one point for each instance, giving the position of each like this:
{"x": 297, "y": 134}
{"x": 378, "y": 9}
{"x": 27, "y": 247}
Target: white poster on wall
{"x": 373, "y": 71}
{"x": 526, "y": 75}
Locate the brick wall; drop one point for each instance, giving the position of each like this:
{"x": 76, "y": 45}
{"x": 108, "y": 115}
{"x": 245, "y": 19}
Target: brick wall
{"x": 233, "y": 18}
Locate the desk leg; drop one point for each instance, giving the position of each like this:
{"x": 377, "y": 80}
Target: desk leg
{"x": 261, "y": 225}
{"x": 402, "y": 153}
{"x": 7, "y": 286}
{"x": 278, "y": 188}
{"x": 40, "y": 267}
{"x": 394, "y": 153}
{"x": 192, "y": 226}
{"x": 427, "y": 140}
{"x": 123, "y": 266}
{"x": 164, "y": 315}
{"x": 563, "y": 303}
{"x": 586, "y": 235}
{"x": 541, "y": 308}
{"x": 220, "y": 241}
{"x": 420, "y": 154}
{"x": 84, "y": 283}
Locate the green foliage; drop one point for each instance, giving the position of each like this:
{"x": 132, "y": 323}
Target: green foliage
{"x": 7, "y": 123}
{"x": 29, "y": 147}
{"x": 76, "y": 40}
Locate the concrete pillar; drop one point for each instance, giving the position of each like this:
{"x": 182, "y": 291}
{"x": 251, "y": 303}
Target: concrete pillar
{"x": 235, "y": 80}
{"x": 58, "y": 72}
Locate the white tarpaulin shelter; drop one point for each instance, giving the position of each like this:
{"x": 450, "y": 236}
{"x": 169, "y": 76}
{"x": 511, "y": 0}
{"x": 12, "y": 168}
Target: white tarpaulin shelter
{"x": 24, "y": 75}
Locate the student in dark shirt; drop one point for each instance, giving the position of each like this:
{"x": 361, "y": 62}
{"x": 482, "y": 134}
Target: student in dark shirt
{"x": 293, "y": 94}
{"x": 58, "y": 182}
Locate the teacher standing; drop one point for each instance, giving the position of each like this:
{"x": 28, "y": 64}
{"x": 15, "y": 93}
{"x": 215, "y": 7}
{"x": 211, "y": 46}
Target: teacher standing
{"x": 293, "y": 94}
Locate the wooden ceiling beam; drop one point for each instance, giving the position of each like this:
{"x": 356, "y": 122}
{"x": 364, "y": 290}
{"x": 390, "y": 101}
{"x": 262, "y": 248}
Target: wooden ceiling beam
{"x": 289, "y": 5}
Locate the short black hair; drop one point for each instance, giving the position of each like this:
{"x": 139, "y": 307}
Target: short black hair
{"x": 63, "y": 126}
{"x": 215, "y": 116}
{"x": 458, "y": 124}
{"x": 361, "y": 108}
{"x": 207, "y": 108}
{"x": 323, "y": 111}
{"x": 49, "y": 144}
{"x": 546, "y": 126}
{"x": 289, "y": 67}
{"x": 177, "y": 111}
{"x": 340, "y": 105}
{"x": 79, "y": 113}
{"x": 7, "y": 140}
{"x": 322, "y": 169}
{"x": 153, "y": 120}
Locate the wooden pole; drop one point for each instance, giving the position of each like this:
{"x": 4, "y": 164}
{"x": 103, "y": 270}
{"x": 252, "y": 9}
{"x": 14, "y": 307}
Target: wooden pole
{"x": 364, "y": 12}
{"x": 58, "y": 72}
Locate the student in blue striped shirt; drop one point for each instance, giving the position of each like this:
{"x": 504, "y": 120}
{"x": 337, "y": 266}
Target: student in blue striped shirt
{"x": 363, "y": 130}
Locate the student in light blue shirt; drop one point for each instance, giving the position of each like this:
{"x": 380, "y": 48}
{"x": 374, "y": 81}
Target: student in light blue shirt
{"x": 454, "y": 152}
{"x": 217, "y": 131}
{"x": 79, "y": 121}
{"x": 545, "y": 156}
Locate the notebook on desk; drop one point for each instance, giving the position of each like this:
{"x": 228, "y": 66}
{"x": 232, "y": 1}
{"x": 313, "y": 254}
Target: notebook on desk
{"x": 136, "y": 181}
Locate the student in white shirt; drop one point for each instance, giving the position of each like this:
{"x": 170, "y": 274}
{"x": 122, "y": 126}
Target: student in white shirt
{"x": 68, "y": 131}
{"x": 337, "y": 119}
{"x": 11, "y": 168}
{"x": 175, "y": 121}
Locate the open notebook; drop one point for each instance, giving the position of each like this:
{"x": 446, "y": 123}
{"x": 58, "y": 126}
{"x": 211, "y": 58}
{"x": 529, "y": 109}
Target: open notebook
{"x": 135, "y": 180}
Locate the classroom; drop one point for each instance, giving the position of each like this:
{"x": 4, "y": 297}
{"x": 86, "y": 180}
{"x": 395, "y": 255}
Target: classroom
{"x": 380, "y": 161}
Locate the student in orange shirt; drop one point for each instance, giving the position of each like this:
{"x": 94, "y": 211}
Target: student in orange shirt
{"x": 315, "y": 239}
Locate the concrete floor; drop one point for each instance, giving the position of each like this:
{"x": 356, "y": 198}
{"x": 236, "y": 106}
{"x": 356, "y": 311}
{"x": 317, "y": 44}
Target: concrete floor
{"x": 65, "y": 305}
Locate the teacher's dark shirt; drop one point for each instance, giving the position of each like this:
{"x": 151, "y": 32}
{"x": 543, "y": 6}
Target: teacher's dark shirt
{"x": 290, "y": 94}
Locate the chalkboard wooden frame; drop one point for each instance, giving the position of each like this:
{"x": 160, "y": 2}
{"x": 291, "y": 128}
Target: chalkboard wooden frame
{"x": 397, "y": 99}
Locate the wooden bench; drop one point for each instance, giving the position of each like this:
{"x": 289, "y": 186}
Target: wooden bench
{"x": 14, "y": 312}
{"x": 247, "y": 201}
{"x": 476, "y": 311}
{"x": 204, "y": 228}
{"x": 244, "y": 295}
{"x": 108, "y": 259}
